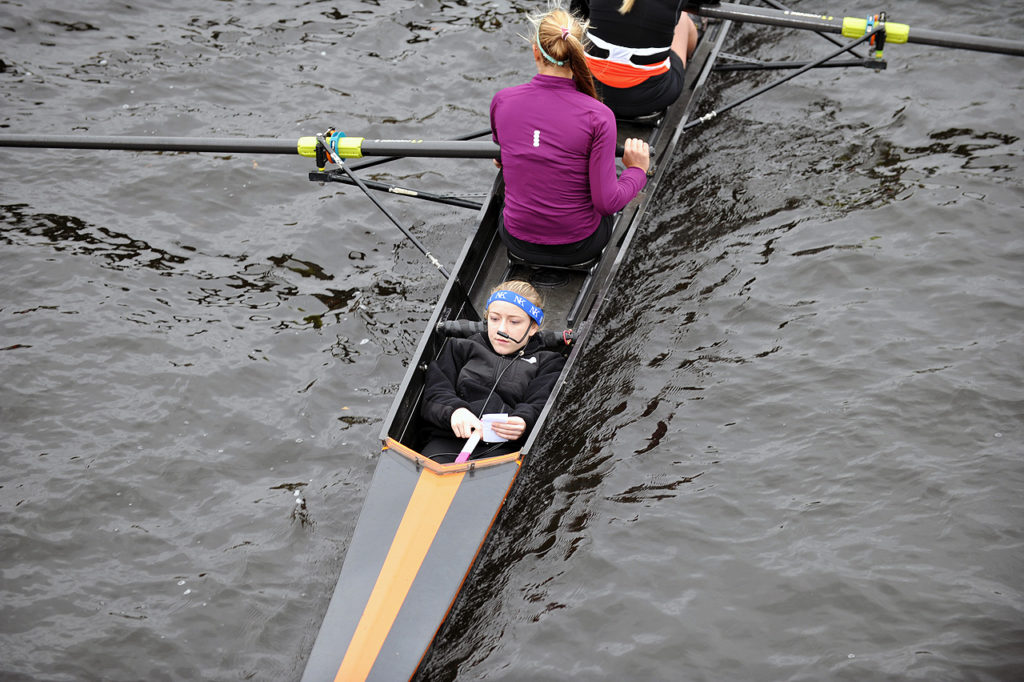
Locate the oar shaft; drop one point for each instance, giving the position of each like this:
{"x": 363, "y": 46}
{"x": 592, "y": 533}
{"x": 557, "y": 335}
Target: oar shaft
{"x": 361, "y": 146}
{"x": 806, "y": 67}
{"x": 834, "y": 41}
{"x": 978, "y": 43}
{"x": 353, "y": 148}
{"x": 771, "y": 17}
{"x": 440, "y": 149}
{"x": 356, "y": 147}
{"x": 854, "y": 27}
{"x": 348, "y": 147}
{"x": 340, "y": 176}
{"x": 153, "y": 144}
{"x": 356, "y": 165}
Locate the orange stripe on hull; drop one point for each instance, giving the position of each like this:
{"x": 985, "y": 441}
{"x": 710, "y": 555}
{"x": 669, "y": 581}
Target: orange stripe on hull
{"x": 423, "y": 516}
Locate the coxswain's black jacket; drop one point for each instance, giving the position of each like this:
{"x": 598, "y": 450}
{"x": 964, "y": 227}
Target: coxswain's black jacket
{"x": 467, "y": 369}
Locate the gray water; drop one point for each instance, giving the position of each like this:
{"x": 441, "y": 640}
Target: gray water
{"x": 792, "y": 451}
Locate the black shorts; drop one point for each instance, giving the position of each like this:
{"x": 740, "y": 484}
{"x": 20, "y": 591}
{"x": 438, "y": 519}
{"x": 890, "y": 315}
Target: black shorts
{"x": 573, "y": 253}
{"x": 654, "y": 94}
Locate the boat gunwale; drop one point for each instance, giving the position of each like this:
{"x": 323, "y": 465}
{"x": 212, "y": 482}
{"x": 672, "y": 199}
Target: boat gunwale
{"x": 450, "y": 468}
{"x": 445, "y": 301}
{"x": 601, "y": 290}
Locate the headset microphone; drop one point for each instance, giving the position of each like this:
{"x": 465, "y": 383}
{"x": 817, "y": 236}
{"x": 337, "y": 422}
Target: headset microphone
{"x": 506, "y": 336}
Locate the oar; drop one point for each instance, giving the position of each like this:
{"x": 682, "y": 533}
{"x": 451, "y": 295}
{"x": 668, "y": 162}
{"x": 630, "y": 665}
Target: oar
{"x": 835, "y": 41}
{"x": 804, "y": 69}
{"x": 367, "y": 163}
{"x": 339, "y": 176}
{"x": 854, "y": 27}
{"x": 366, "y": 190}
{"x": 348, "y": 147}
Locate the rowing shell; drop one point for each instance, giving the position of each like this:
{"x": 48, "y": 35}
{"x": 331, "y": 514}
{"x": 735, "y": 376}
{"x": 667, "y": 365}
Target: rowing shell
{"x": 423, "y": 524}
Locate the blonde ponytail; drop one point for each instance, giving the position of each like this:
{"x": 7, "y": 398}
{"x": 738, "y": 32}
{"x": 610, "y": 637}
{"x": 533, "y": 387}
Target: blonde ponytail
{"x": 560, "y": 37}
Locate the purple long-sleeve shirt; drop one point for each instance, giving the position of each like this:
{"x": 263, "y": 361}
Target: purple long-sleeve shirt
{"x": 558, "y": 159}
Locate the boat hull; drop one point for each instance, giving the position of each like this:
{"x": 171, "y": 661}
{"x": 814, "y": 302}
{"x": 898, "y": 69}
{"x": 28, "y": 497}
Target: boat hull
{"x": 419, "y": 531}
{"x": 385, "y": 612}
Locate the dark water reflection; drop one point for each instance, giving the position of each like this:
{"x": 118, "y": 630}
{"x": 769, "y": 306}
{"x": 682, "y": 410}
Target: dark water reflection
{"x": 62, "y": 232}
{"x": 793, "y": 451}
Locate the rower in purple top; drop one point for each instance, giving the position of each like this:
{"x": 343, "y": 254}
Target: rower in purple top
{"x": 558, "y": 153}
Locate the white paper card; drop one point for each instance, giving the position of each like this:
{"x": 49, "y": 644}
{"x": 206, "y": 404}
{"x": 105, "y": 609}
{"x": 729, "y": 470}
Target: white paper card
{"x": 489, "y": 435}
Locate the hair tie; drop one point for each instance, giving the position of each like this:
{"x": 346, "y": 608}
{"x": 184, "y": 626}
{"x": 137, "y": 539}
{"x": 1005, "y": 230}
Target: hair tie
{"x": 565, "y": 33}
{"x": 556, "y": 62}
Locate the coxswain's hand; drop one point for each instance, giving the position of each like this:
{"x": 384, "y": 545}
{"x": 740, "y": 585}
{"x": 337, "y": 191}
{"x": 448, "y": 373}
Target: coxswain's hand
{"x": 464, "y": 423}
{"x": 636, "y": 154}
{"x": 511, "y": 429}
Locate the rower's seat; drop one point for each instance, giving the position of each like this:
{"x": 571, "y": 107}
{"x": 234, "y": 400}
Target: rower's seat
{"x": 588, "y": 268}
{"x": 651, "y": 120}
